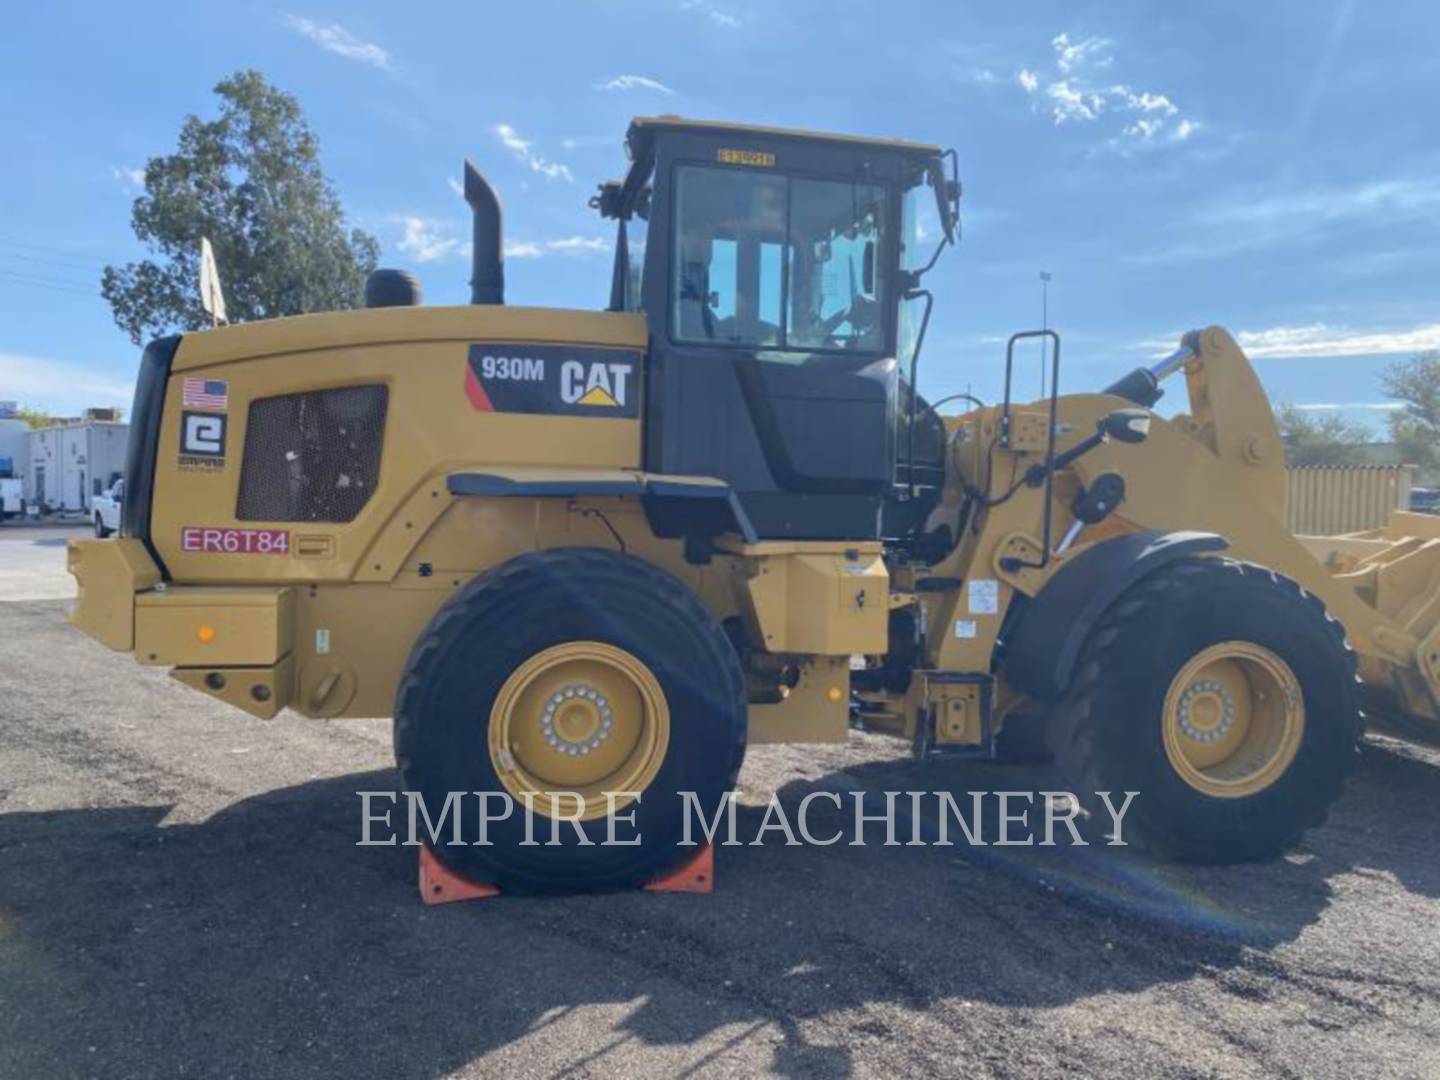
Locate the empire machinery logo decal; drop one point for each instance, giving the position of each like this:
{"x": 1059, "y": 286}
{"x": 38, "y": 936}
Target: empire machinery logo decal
{"x": 203, "y": 424}
{"x": 558, "y": 380}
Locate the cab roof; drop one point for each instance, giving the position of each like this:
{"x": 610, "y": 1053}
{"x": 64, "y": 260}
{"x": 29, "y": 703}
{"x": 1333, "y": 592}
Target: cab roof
{"x": 642, "y": 128}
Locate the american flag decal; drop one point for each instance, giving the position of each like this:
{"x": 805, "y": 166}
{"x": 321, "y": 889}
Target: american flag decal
{"x": 205, "y": 394}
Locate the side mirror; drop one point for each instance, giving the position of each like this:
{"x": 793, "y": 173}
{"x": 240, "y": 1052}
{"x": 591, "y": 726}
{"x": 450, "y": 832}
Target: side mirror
{"x": 1126, "y": 425}
{"x": 867, "y": 276}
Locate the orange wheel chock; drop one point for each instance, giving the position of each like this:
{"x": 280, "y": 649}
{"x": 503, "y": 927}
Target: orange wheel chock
{"x": 440, "y": 885}
{"x": 695, "y": 876}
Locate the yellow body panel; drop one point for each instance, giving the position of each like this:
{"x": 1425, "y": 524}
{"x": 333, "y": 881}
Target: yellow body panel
{"x": 108, "y": 574}
{"x": 198, "y": 626}
{"x": 260, "y": 691}
{"x": 407, "y": 326}
{"x": 816, "y": 710}
{"x": 420, "y": 355}
{"x": 825, "y": 598}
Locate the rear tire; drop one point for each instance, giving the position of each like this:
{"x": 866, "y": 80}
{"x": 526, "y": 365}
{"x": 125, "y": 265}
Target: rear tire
{"x": 1120, "y": 729}
{"x": 101, "y": 532}
{"x": 492, "y": 633}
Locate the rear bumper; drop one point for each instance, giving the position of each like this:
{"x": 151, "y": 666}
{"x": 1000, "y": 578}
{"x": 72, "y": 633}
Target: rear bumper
{"x": 233, "y": 643}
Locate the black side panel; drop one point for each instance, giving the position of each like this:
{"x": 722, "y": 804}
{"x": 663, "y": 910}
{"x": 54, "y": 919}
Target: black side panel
{"x": 676, "y": 509}
{"x": 490, "y": 484}
{"x": 1042, "y": 651}
{"x": 823, "y": 431}
{"x": 144, "y": 445}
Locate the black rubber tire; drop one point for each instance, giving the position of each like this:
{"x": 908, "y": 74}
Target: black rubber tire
{"x": 101, "y": 532}
{"x": 505, "y": 616}
{"x": 1109, "y": 733}
{"x": 1024, "y": 739}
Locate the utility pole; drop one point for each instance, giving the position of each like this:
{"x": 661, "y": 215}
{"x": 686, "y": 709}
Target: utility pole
{"x": 1044, "y": 322}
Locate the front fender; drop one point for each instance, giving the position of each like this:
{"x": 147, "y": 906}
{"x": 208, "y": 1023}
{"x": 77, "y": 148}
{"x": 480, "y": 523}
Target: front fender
{"x": 1043, "y": 649}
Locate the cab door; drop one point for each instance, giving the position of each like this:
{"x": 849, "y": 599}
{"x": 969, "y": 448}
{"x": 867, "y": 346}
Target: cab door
{"x": 772, "y": 338}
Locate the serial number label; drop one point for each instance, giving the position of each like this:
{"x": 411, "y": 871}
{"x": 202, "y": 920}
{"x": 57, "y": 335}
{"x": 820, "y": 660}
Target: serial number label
{"x": 746, "y": 157}
{"x": 235, "y": 541}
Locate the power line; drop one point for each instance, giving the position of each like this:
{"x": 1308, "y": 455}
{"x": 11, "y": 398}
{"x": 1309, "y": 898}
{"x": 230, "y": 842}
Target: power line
{"x": 80, "y": 256}
{"x": 51, "y": 262}
{"x": 9, "y": 277}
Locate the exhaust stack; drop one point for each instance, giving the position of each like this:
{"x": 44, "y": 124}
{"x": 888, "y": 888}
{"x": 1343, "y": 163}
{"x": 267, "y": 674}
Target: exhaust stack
{"x": 487, "y": 265}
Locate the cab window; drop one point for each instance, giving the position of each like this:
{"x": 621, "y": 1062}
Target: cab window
{"x": 777, "y": 263}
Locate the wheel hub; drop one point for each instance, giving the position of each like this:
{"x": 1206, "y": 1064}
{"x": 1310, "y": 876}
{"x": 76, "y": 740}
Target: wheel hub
{"x": 1207, "y": 711}
{"x": 577, "y": 719}
{"x": 583, "y": 720}
{"x": 1234, "y": 718}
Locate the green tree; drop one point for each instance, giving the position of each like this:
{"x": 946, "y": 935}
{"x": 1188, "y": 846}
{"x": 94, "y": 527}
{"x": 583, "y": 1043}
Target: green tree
{"x": 1325, "y": 438}
{"x": 36, "y": 418}
{"x": 251, "y": 182}
{"x": 1415, "y": 429}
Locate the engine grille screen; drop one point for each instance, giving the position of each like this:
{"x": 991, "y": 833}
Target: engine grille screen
{"x": 312, "y": 457}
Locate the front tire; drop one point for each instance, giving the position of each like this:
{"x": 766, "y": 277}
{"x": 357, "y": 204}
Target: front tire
{"x": 573, "y": 669}
{"x": 101, "y": 532}
{"x": 1226, "y": 697}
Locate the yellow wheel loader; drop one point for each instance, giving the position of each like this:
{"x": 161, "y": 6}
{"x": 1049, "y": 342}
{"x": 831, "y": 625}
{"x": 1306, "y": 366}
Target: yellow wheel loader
{"x": 586, "y": 558}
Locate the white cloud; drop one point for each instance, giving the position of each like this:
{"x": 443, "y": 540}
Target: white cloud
{"x": 1146, "y": 101}
{"x": 572, "y": 142}
{"x": 717, "y": 15}
{"x": 1184, "y": 129}
{"x": 1143, "y": 128}
{"x": 455, "y": 186}
{"x": 580, "y": 243}
{"x": 636, "y": 82}
{"x": 521, "y": 148}
{"x": 1259, "y": 218}
{"x": 61, "y": 387}
{"x": 130, "y": 179}
{"x": 1071, "y": 55}
{"x": 335, "y": 38}
{"x": 1397, "y": 201}
{"x": 425, "y": 240}
{"x": 569, "y": 245}
{"x": 1073, "y": 95}
{"x": 1318, "y": 340}
{"x": 1073, "y": 104}
{"x": 1374, "y": 406}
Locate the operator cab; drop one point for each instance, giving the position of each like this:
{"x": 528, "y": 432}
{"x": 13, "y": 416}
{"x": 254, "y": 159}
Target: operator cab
{"x": 779, "y": 274}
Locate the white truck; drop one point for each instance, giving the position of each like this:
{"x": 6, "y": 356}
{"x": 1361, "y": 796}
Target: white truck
{"x": 105, "y": 509}
{"x": 12, "y": 498}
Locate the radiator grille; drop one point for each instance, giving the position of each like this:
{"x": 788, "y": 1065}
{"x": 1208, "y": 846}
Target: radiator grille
{"x": 313, "y": 456}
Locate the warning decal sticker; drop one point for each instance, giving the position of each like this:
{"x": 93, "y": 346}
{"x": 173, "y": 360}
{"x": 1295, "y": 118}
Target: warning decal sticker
{"x": 563, "y": 380}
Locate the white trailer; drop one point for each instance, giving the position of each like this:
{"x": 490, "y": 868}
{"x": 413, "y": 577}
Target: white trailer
{"x": 72, "y": 463}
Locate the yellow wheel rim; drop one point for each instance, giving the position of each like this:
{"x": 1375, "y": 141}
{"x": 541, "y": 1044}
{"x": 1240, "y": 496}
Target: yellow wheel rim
{"x": 579, "y": 719}
{"x": 1234, "y": 718}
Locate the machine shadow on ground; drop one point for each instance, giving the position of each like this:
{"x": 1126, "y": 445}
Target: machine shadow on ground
{"x": 265, "y": 934}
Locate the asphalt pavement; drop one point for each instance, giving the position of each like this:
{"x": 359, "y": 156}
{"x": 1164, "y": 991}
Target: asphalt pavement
{"x": 181, "y": 895}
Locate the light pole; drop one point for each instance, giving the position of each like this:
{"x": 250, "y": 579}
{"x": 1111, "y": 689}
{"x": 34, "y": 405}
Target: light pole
{"x": 1044, "y": 322}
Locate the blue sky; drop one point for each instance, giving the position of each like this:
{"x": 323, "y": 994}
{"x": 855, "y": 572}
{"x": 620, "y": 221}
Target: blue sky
{"x": 1273, "y": 167}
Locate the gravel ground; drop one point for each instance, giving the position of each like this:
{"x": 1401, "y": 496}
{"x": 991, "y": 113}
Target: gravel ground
{"x": 180, "y": 894}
